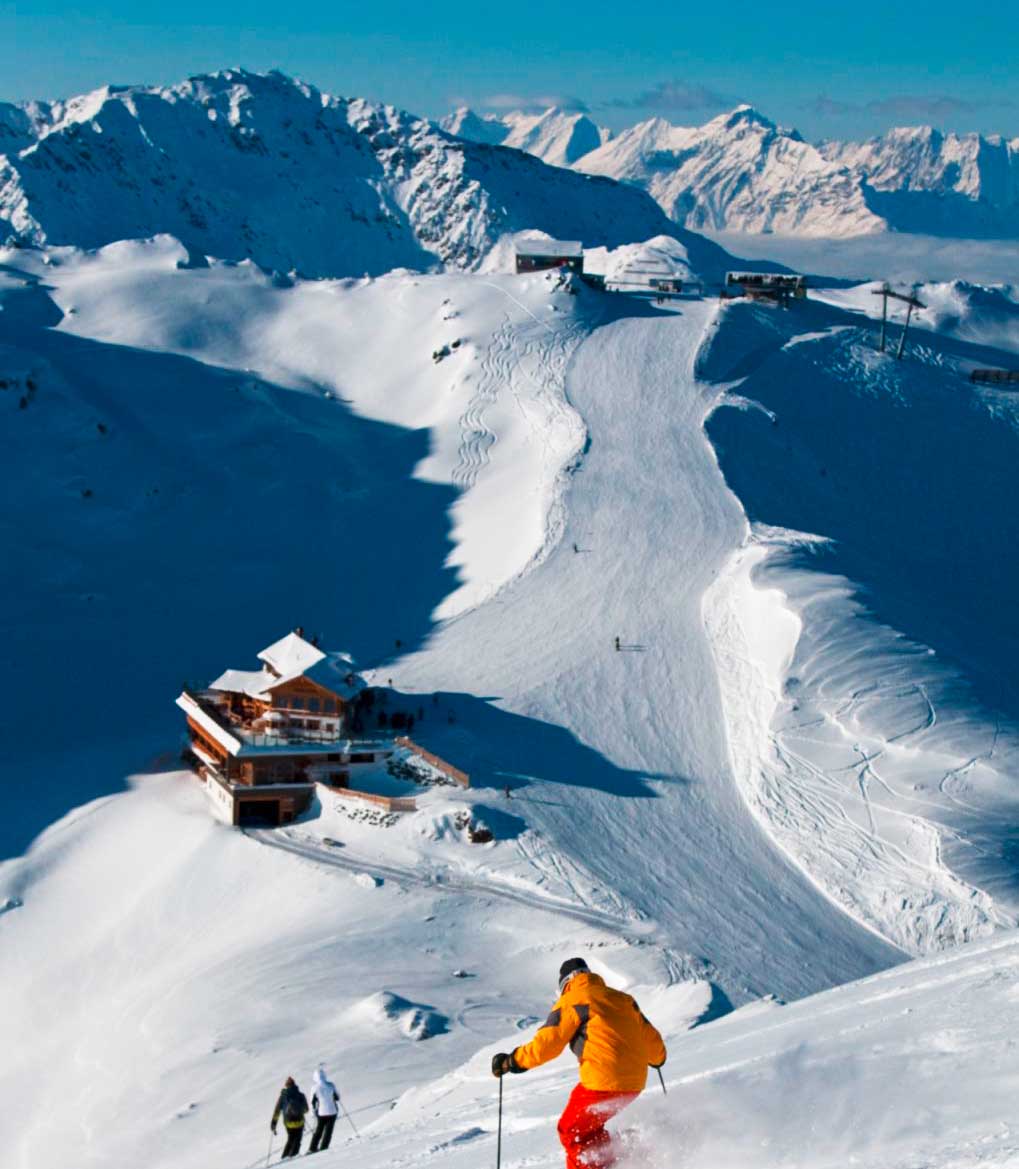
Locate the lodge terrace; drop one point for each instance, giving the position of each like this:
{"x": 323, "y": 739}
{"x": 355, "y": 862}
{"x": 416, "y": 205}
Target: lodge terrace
{"x": 262, "y": 739}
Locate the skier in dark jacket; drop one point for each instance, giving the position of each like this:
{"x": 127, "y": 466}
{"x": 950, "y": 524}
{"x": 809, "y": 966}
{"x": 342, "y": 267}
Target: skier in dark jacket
{"x": 293, "y": 1105}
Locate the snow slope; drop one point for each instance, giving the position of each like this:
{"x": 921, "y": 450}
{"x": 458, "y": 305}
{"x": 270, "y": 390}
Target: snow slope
{"x": 864, "y": 621}
{"x": 197, "y": 968}
{"x": 772, "y": 787}
{"x": 239, "y": 164}
{"x": 181, "y": 1023}
{"x": 912, "y": 1067}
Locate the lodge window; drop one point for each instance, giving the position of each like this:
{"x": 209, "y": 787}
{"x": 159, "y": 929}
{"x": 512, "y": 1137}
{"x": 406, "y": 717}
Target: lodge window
{"x": 313, "y": 704}
{"x": 329, "y": 726}
{"x": 330, "y": 706}
{"x": 362, "y": 757}
{"x": 297, "y": 703}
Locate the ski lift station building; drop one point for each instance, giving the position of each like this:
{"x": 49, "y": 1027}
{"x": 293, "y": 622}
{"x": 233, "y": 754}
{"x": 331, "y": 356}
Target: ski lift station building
{"x": 772, "y": 286}
{"x": 537, "y": 255}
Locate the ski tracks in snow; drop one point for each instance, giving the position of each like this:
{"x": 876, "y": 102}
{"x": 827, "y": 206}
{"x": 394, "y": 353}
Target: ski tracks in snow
{"x": 476, "y": 437}
{"x": 445, "y": 880}
{"x": 846, "y": 774}
{"x": 532, "y": 354}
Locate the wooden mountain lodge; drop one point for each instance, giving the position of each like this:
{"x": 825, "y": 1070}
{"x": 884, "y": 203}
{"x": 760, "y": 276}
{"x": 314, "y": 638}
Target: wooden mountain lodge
{"x": 261, "y": 739}
{"x": 537, "y": 255}
{"x": 775, "y": 287}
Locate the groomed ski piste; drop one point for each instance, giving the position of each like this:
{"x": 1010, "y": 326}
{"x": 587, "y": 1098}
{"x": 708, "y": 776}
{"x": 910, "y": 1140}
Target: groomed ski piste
{"x": 796, "y": 772}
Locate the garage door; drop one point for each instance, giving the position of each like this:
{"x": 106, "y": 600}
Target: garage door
{"x": 259, "y": 814}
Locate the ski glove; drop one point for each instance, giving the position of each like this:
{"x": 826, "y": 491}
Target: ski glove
{"x": 272, "y": 1128}
{"x": 503, "y": 1063}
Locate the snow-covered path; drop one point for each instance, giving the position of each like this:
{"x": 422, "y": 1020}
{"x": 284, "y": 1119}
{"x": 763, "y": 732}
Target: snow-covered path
{"x": 445, "y": 881}
{"x": 653, "y": 522}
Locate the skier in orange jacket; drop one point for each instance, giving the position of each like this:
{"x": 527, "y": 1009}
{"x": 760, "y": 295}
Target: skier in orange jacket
{"x": 615, "y": 1045}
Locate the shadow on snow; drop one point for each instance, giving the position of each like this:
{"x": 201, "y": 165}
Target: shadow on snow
{"x": 170, "y": 519}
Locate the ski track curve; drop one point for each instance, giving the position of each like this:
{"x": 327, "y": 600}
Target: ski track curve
{"x": 476, "y": 437}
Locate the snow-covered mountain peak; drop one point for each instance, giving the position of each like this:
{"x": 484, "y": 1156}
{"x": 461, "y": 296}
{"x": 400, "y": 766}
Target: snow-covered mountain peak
{"x": 557, "y": 136}
{"x": 740, "y": 169}
{"x": 740, "y": 118}
{"x": 463, "y": 122}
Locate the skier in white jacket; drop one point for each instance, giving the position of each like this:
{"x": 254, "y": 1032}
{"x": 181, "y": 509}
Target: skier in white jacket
{"x": 325, "y": 1101}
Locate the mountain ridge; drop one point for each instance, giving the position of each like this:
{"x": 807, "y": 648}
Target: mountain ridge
{"x": 242, "y": 165}
{"x": 741, "y": 171}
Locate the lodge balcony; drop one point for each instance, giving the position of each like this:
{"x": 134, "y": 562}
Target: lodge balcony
{"x": 271, "y": 729}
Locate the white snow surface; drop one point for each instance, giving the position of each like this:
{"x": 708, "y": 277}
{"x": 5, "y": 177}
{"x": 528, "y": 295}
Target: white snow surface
{"x": 796, "y": 770}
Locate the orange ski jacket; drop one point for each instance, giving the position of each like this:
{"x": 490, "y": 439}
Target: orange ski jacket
{"x": 606, "y": 1031}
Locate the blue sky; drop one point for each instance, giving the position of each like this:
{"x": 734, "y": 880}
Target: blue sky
{"x": 828, "y": 69}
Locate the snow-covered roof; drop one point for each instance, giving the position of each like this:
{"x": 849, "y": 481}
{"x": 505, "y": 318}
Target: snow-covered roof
{"x": 289, "y": 658}
{"x": 549, "y": 247}
{"x": 253, "y": 682}
{"x": 291, "y": 655}
{"x": 336, "y": 673}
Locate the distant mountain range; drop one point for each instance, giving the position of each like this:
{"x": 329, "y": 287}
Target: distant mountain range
{"x": 243, "y": 165}
{"x": 742, "y": 172}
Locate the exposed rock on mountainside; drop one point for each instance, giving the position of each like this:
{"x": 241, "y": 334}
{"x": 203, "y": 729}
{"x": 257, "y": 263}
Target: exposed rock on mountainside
{"x": 238, "y": 165}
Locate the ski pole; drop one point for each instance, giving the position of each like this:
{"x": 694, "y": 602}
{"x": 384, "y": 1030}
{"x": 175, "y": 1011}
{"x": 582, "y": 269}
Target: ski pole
{"x": 352, "y": 1124}
{"x": 272, "y": 1137}
{"x": 498, "y": 1139}
{"x": 661, "y": 1079}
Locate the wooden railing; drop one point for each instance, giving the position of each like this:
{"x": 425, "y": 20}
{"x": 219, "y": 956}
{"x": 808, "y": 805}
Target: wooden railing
{"x": 454, "y": 773}
{"x": 390, "y": 803}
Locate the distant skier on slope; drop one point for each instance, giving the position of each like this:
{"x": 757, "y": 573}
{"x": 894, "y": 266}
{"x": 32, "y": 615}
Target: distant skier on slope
{"x": 615, "y": 1045}
{"x": 293, "y": 1104}
{"x": 325, "y": 1100}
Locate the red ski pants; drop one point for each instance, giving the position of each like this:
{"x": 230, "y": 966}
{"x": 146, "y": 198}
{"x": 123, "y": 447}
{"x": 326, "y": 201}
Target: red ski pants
{"x": 582, "y": 1126}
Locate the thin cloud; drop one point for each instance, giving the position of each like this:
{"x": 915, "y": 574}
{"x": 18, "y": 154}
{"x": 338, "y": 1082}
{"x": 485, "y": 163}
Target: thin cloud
{"x": 933, "y": 106}
{"x": 829, "y": 106}
{"x": 673, "y": 95}
{"x": 929, "y": 106}
{"x": 534, "y": 103}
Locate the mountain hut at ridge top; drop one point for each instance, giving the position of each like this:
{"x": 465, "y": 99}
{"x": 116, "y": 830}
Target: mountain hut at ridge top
{"x": 539, "y": 255}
